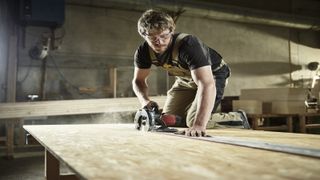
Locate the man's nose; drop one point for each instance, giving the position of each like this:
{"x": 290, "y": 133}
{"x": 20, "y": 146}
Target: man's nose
{"x": 159, "y": 41}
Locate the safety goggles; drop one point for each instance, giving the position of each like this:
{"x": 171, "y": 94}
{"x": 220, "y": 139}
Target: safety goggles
{"x": 162, "y": 36}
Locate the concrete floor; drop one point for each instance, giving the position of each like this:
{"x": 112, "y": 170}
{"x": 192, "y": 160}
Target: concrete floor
{"x": 22, "y": 168}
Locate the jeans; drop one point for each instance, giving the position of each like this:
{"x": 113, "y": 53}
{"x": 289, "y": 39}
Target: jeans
{"x": 181, "y": 98}
{"x": 221, "y": 77}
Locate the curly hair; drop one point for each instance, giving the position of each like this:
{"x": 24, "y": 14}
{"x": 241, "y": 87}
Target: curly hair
{"x": 155, "y": 20}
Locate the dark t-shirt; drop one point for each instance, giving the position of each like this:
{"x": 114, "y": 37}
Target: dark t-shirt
{"x": 192, "y": 54}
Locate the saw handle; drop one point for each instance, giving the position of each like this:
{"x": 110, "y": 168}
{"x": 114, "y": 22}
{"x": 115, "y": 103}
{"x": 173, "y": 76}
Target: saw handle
{"x": 152, "y": 106}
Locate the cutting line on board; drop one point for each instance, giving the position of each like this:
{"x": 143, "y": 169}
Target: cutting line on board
{"x": 309, "y": 152}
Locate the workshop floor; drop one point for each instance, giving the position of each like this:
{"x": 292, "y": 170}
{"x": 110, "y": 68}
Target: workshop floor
{"x": 22, "y": 168}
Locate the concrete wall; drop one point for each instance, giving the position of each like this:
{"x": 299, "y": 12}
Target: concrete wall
{"x": 246, "y": 48}
{"x": 93, "y": 39}
{"x": 97, "y": 38}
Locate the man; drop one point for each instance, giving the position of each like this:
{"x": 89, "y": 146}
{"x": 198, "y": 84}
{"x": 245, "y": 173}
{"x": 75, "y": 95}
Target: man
{"x": 200, "y": 73}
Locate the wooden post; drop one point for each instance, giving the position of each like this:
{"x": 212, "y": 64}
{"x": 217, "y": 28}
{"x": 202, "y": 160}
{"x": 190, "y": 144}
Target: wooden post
{"x": 289, "y": 124}
{"x": 52, "y": 167}
{"x": 255, "y": 122}
{"x": 12, "y": 69}
{"x": 11, "y": 90}
{"x": 113, "y": 79}
{"x": 43, "y": 79}
{"x": 22, "y": 133}
{"x": 10, "y": 138}
{"x": 302, "y": 123}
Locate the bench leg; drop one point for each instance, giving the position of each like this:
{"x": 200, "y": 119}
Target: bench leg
{"x": 52, "y": 167}
{"x": 302, "y": 122}
{"x": 10, "y": 138}
{"x": 255, "y": 123}
{"x": 22, "y": 133}
{"x": 289, "y": 124}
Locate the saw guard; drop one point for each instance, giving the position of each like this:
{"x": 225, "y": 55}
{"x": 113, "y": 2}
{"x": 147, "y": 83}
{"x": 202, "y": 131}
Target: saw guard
{"x": 143, "y": 121}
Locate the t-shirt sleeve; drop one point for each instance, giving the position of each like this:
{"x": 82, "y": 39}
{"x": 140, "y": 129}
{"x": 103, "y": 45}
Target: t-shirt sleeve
{"x": 142, "y": 58}
{"x": 194, "y": 52}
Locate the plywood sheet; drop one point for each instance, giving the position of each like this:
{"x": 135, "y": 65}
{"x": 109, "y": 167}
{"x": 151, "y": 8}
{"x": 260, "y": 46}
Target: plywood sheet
{"x": 291, "y": 139}
{"x": 121, "y": 152}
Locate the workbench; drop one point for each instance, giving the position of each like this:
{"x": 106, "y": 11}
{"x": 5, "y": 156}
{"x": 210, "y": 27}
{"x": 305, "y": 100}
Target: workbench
{"x": 306, "y": 123}
{"x": 118, "y": 151}
{"x": 304, "y": 119}
{"x": 288, "y": 126}
{"x": 12, "y": 114}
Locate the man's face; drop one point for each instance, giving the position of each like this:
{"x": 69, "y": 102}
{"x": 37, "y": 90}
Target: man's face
{"x": 158, "y": 40}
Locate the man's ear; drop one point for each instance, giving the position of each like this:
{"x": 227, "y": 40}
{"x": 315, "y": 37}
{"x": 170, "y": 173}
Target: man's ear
{"x": 173, "y": 29}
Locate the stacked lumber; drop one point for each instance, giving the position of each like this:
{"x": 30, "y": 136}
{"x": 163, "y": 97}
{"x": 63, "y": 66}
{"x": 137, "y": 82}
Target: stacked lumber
{"x": 249, "y": 106}
{"x": 272, "y": 101}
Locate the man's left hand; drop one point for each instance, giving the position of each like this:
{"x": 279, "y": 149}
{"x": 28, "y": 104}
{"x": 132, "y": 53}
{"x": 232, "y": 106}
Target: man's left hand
{"x": 196, "y": 131}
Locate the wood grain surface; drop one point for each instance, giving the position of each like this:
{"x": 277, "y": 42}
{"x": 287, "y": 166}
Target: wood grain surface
{"x": 70, "y": 107}
{"x": 109, "y": 151}
{"x": 284, "y": 138}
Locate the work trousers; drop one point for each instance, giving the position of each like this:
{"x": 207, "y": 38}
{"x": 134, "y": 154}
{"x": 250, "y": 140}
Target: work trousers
{"x": 182, "y": 97}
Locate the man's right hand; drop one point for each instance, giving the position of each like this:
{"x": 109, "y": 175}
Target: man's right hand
{"x": 196, "y": 131}
{"x": 152, "y": 105}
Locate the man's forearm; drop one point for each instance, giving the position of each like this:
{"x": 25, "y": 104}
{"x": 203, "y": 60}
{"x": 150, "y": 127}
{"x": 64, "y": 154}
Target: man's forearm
{"x": 141, "y": 91}
{"x": 205, "y": 103}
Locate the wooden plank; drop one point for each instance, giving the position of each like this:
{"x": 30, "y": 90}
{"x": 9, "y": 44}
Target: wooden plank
{"x": 10, "y": 111}
{"x": 121, "y": 152}
{"x": 69, "y": 107}
{"x": 274, "y": 94}
{"x": 273, "y": 128}
{"x": 312, "y": 126}
{"x": 249, "y": 106}
{"x": 288, "y": 107}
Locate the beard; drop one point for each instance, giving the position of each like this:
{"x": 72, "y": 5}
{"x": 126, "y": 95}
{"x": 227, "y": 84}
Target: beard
{"x": 159, "y": 48}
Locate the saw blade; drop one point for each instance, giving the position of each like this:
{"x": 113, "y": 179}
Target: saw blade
{"x": 142, "y": 120}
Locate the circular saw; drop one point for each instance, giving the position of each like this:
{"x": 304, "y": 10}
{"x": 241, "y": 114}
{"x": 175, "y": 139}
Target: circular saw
{"x": 150, "y": 120}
